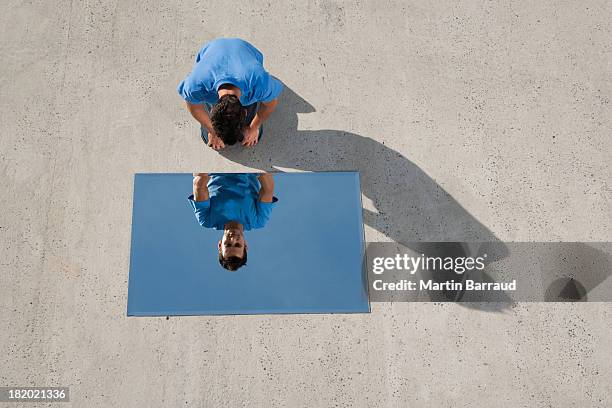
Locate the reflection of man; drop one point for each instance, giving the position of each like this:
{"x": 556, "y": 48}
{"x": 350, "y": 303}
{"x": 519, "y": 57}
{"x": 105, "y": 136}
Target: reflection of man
{"x": 234, "y": 203}
{"x": 229, "y": 78}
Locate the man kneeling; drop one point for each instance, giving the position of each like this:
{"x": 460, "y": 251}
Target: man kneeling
{"x": 234, "y": 203}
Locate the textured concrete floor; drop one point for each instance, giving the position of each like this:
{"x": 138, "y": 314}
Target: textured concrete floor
{"x": 472, "y": 120}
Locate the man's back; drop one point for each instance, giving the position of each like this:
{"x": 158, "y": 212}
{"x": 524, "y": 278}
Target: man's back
{"x": 229, "y": 61}
{"x": 235, "y": 50}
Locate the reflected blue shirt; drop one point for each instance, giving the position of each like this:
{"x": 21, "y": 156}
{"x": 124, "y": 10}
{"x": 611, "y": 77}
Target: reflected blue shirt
{"x": 229, "y": 61}
{"x": 232, "y": 197}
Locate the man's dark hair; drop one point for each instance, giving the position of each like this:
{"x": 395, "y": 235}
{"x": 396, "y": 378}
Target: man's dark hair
{"x": 232, "y": 263}
{"x": 228, "y": 119}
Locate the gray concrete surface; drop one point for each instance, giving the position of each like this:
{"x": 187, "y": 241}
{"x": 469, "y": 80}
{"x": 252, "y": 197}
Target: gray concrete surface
{"x": 468, "y": 120}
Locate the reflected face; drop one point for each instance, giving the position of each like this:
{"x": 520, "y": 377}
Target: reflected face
{"x": 232, "y": 243}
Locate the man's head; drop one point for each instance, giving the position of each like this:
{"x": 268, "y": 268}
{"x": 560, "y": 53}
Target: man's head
{"x": 228, "y": 118}
{"x": 232, "y": 247}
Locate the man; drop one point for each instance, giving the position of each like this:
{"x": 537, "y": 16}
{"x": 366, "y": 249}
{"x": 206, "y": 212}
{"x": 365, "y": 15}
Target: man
{"x": 230, "y": 93}
{"x": 234, "y": 203}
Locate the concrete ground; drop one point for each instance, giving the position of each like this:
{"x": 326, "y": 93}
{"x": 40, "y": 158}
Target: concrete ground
{"x": 468, "y": 121}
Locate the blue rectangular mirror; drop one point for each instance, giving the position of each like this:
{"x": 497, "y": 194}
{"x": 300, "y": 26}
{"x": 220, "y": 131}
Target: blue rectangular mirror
{"x": 247, "y": 243}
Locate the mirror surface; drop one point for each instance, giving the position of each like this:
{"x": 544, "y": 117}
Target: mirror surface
{"x": 302, "y": 232}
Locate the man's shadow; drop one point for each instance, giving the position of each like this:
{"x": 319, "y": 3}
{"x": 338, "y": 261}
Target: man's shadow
{"x": 410, "y": 206}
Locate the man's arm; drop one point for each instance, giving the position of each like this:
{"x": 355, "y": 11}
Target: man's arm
{"x": 200, "y": 187}
{"x": 263, "y": 113}
{"x": 199, "y": 113}
{"x": 266, "y": 192}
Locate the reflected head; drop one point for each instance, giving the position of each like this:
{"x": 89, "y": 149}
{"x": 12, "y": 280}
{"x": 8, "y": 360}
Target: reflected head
{"x": 232, "y": 247}
{"x": 233, "y": 263}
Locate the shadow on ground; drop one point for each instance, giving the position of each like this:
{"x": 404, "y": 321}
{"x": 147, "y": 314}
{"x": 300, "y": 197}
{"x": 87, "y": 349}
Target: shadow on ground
{"x": 410, "y": 205}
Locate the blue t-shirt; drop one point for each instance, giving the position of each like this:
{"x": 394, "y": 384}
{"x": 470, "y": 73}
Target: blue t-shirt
{"x": 229, "y": 61}
{"x": 233, "y": 197}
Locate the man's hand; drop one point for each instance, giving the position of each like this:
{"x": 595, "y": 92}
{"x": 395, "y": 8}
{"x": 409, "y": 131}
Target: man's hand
{"x": 200, "y": 114}
{"x": 200, "y": 186}
{"x": 251, "y": 136}
{"x": 215, "y": 141}
{"x": 266, "y": 192}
